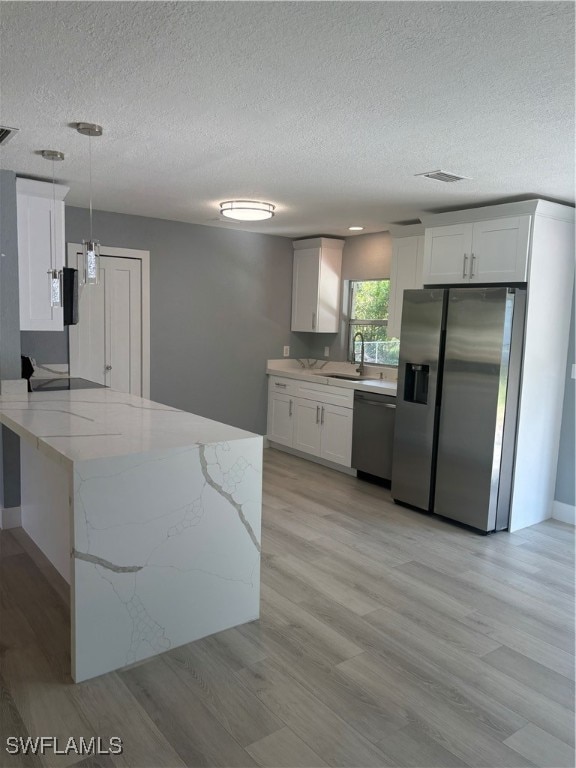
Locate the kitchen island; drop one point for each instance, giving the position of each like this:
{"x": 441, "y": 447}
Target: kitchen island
{"x": 152, "y": 515}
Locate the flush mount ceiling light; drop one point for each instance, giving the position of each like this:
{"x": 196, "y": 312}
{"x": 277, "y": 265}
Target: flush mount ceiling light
{"x": 355, "y": 229}
{"x": 443, "y": 176}
{"x": 247, "y": 210}
{"x": 90, "y": 274}
{"x": 54, "y": 275}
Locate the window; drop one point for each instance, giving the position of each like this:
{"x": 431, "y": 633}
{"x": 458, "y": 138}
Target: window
{"x": 368, "y": 313}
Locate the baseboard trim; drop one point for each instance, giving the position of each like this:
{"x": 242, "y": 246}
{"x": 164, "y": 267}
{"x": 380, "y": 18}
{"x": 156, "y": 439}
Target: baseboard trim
{"x": 564, "y": 512}
{"x": 10, "y": 517}
{"x": 310, "y": 457}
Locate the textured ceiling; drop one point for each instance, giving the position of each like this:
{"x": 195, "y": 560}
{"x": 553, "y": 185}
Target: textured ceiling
{"x": 326, "y": 109}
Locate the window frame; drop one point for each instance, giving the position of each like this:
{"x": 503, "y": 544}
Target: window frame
{"x": 354, "y": 322}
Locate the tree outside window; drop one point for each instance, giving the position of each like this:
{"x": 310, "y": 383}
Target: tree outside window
{"x": 369, "y": 314}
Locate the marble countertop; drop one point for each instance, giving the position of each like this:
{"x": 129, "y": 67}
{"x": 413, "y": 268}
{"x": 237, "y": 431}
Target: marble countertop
{"x": 88, "y": 424}
{"x": 378, "y": 386}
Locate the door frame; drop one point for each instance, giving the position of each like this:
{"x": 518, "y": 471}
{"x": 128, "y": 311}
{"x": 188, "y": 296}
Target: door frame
{"x": 74, "y": 249}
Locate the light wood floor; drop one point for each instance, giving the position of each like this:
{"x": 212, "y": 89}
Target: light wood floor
{"x": 387, "y": 638}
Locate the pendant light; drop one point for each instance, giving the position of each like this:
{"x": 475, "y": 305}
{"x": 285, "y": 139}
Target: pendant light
{"x": 54, "y": 275}
{"x": 90, "y": 272}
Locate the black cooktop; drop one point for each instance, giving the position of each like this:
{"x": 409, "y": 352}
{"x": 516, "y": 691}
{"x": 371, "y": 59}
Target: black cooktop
{"x": 61, "y": 385}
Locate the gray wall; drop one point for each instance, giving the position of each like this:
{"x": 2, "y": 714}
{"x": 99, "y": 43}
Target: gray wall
{"x": 9, "y": 332}
{"x": 220, "y": 307}
{"x": 9, "y": 308}
{"x": 45, "y": 346}
{"x": 565, "y": 478}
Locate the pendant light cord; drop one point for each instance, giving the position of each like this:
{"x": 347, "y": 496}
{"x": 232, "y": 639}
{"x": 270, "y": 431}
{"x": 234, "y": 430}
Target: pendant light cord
{"x": 90, "y": 179}
{"x": 53, "y": 240}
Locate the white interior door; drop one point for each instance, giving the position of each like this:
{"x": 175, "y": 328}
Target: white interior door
{"x": 106, "y": 344}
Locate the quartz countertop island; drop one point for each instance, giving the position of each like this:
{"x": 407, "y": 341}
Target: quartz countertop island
{"x": 151, "y": 514}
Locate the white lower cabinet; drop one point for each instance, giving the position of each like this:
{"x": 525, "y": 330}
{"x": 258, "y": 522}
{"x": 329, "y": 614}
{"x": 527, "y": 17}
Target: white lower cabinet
{"x": 323, "y": 430}
{"x": 336, "y": 434}
{"x": 312, "y": 426}
{"x": 280, "y": 421}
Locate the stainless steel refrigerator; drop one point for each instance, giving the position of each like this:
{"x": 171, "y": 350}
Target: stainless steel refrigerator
{"x": 457, "y": 402}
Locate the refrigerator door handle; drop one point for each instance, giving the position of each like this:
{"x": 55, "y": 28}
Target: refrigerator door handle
{"x": 464, "y": 268}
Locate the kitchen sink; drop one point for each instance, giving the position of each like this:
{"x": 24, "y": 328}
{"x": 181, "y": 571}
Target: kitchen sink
{"x": 347, "y": 376}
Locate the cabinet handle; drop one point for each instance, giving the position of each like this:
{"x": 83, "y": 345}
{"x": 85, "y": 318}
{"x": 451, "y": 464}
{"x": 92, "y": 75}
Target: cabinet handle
{"x": 322, "y": 416}
{"x": 108, "y": 368}
{"x": 472, "y": 266}
{"x": 313, "y": 321}
{"x": 279, "y": 384}
{"x": 464, "y": 270}
{"x": 290, "y": 409}
{"x": 317, "y": 414}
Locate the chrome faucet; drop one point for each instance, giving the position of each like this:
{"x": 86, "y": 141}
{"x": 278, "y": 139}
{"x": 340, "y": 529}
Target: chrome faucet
{"x": 360, "y": 368}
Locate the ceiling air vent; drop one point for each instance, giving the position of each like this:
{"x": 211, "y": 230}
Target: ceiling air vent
{"x": 6, "y": 134}
{"x": 442, "y": 176}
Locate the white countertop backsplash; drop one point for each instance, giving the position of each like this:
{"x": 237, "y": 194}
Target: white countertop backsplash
{"x": 293, "y": 369}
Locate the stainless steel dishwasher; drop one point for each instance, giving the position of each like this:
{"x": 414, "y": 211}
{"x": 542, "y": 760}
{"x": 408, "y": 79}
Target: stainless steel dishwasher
{"x": 373, "y": 434}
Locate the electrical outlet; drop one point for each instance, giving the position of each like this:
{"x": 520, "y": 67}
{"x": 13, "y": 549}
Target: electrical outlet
{"x": 326, "y": 351}
{"x": 286, "y": 351}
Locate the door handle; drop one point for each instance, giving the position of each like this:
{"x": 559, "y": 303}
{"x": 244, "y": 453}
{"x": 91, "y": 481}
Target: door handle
{"x": 472, "y": 266}
{"x": 317, "y": 414}
{"x": 313, "y": 321}
{"x": 464, "y": 269}
{"x": 322, "y": 416}
{"x": 377, "y": 405}
{"x": 290, "y": 409}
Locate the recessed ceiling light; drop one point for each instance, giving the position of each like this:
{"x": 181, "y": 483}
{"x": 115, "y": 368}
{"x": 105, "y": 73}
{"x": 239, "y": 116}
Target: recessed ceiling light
{"x": 247, "y": 210}
{"x": 355, "y": 229}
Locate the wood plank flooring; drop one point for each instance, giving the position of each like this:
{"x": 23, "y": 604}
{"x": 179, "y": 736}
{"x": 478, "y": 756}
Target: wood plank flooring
{"x": 387, "y": 638}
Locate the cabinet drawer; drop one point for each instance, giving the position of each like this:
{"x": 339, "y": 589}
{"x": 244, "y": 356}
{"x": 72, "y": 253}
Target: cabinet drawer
{"x": 282, "y": 385}
{"x": 326, "y": 393}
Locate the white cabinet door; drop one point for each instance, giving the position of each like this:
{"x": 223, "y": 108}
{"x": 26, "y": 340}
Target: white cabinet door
{"x": 406, "y": 272}
{"x": 316, "y": 285}
{"x": 329, "y": 291}
{"x": 40, "y": 248}
{"x": 500, "y": 250}
{"x": 447, "y": 254}
{"x": 336, "y": 437}
{"x": 307, "y": 426}
{"x": 305, "y": 289}
{"x": 280, "y": 421}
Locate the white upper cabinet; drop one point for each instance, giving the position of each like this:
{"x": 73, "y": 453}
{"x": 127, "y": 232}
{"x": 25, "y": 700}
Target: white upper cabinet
{"x": 500, "y": 250}
{"x": 316, "y": 285}
{"x": 491, "y": 251}
{"x": 447, "y": 253}
{"x": 405, "y": 273}
{"x": 41, "y": 247}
